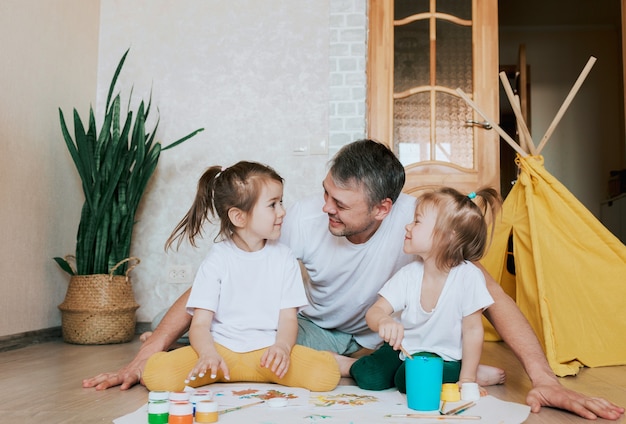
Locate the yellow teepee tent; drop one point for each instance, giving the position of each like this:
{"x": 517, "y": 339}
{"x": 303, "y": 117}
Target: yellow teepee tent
{"x": 570, "y": 271}
{"x": 569, "y": 275}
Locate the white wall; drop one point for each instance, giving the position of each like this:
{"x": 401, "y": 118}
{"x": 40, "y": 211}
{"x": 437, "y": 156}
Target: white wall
{"x": 49, "y": 60}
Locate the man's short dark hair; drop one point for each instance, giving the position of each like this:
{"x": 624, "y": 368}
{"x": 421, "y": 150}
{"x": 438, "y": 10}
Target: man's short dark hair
{"x": 371, "y": 164}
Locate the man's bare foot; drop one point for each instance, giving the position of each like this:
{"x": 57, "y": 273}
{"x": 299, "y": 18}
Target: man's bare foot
{"x": 345, "y": 363}
{"x": 488, "y": 375}
{"x": 145, "y": 336}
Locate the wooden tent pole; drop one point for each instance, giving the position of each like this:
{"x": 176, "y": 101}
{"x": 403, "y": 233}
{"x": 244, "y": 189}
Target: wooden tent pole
{"x": 498, "y": 129}
{"x": 524, "y": 132}
{"x": 566, "y": 103}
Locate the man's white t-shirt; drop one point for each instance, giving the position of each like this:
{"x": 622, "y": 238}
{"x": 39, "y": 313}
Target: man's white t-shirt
{"x": 346, "y": 277}
{"x": 440, "y": 330}
{"x": 246, "y": 291}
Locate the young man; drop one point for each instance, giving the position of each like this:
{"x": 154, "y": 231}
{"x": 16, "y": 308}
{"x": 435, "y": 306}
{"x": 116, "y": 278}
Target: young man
{"x": 350, "y": 243}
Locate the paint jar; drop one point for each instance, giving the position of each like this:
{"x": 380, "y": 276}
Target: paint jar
{"x": 158, "y": 412}
{"x": 206, "y": 411}
{"x": 197, "y": 397}
{"x": 179, "y": 396}
{"x": 204, "y": 392}
{"x": 450, "y": 392}
{"x": 470, "y": 391}
{"x": 158, "y": 395}
{"x": 424, "y": 374}
{"x": 180, "y": 413}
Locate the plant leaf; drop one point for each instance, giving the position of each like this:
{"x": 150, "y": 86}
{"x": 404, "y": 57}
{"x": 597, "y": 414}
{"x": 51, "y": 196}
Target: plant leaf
{"x": 65, "y": 266}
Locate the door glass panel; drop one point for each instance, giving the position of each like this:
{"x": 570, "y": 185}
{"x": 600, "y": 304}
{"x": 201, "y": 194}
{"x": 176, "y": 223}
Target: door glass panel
{"x": 411, "y": 56}
{"x": 412, "y": 128}
{"x": 453, "y": 136}
{"x": 405, "y": 8}
{"x": 419, "y": 134}
{"x": 454, "y": 56}
{"x": 460, "y": 8}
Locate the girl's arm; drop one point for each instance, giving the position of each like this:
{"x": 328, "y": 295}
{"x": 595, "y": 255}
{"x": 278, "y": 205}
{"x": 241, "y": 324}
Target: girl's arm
{"x": 277, "y": 357}
{"x": 202, "y": 342}
{"x": 378, "y": 318}
{"x": 473, "y": 334}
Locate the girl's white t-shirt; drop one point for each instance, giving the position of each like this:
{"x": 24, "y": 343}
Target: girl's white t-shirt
{"x": 346, "y": 277}
{"x": 246, "y": 291}
{"x": 440, "y": 330}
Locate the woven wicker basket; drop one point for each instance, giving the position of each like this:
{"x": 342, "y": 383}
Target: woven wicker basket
{"x": 99, "y": 309}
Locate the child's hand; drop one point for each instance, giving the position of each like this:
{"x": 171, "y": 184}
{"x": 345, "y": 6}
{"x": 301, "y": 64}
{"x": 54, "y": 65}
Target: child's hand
{"x": 277, "y": 358}
{"x": 391, "y": 331}
{"x": 208, "y": 363}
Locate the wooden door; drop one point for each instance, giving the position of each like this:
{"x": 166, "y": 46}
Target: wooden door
{"x": 419, "y": 53}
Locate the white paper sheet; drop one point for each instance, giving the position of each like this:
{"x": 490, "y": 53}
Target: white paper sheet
{"x": 344, "y": 405}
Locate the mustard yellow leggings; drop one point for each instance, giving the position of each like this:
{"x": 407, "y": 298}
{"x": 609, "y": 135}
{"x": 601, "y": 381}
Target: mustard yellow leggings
{"x": 311, "y": 369}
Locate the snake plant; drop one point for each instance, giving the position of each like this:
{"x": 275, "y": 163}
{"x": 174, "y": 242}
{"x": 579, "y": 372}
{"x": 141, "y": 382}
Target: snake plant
{"x": 114, "y": 166}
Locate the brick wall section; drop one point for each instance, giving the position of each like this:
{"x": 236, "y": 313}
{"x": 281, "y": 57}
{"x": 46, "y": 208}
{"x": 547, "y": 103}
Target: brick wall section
{"x": 348, "y": 42}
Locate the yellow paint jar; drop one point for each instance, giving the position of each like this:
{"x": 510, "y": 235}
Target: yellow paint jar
{"x": 206, "y": 411}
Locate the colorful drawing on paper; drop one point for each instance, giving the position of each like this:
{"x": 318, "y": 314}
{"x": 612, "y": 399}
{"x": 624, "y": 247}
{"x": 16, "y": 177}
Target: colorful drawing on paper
{"x": 232, "y": 394}
{"x": 342, "y": 400}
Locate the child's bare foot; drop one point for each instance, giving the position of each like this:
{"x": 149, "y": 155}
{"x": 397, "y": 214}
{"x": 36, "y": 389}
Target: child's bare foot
{"x": 145, "y": 336}
{"x": 488, "y": 375}
{"x": 345, "y": 363}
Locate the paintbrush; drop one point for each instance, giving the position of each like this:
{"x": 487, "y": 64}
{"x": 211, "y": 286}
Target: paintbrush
{"x": 436, "y": 417}
{"x": 239, "y": 407}
{"x": 460, "y": 409}
{"x": 407, "y": 354}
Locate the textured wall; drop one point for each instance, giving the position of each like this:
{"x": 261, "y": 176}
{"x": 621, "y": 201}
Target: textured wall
{"x": 254, "y": 74}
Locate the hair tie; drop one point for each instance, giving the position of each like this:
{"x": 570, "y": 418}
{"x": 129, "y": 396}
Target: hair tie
{"x": 472, "y": 195}
{"x": 220, "y": 172}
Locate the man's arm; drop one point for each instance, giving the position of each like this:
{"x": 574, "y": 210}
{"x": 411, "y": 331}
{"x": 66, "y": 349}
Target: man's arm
{"x": 517, "y": 333}
{"x": 174, "y": 324}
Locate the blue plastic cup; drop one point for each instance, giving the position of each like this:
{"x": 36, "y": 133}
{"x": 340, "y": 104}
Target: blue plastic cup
{"x": 424, "y": 375}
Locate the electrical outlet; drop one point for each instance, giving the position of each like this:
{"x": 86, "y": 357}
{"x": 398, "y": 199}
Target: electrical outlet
{"x": 179, "y": 274}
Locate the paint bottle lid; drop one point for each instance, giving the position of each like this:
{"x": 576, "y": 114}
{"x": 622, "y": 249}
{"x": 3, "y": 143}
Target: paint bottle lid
{"x": 206, "y": 406}
{"x": 470, "y": 391}
{"x": 204, "y": 392}
{"x": 179, "y": 396}
{"x": 197, "y": 397}
{"x": 158, "y": 395}
{"x": 158, "y": 407}
{"x": 180, "y": 408}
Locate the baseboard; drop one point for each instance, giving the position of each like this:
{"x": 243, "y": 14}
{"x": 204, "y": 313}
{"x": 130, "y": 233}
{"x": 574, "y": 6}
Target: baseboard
{"x": 142, "y": 327}
{"x": 16, "y": 341}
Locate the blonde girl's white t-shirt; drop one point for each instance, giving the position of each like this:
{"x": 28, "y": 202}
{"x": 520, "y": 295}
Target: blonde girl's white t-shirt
{"x": 346, "y": 277}
{"x": 246, "y": 291}
{"x": 440, "y": 330}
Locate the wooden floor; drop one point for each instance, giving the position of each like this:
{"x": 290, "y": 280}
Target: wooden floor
{"x": 41, "y": 383}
